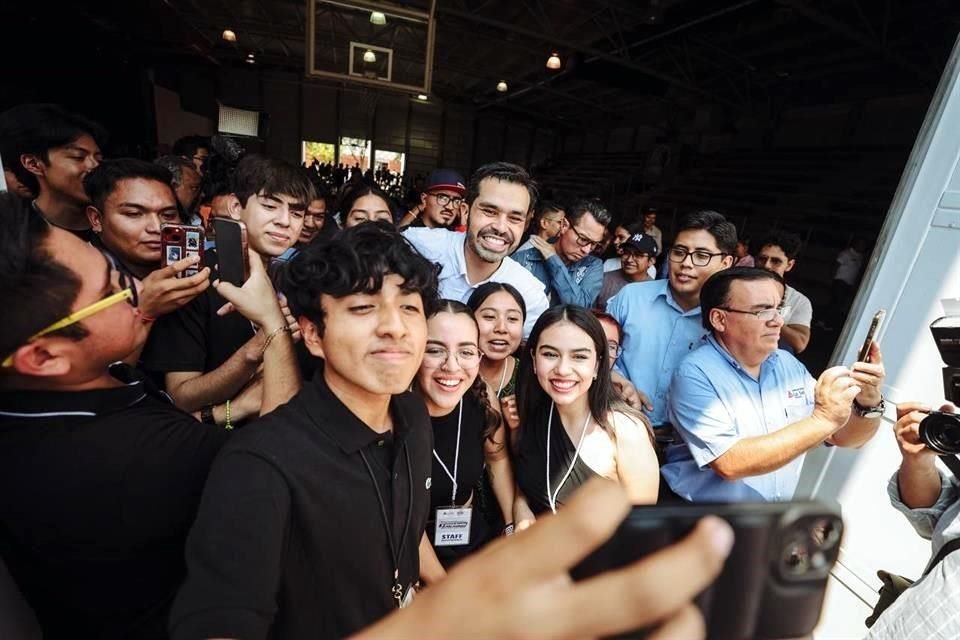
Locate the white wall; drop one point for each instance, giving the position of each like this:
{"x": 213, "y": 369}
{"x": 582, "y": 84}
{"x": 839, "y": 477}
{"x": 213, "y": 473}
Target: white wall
{"x": 173, "y": 122}
{"x": 916, "y": 263}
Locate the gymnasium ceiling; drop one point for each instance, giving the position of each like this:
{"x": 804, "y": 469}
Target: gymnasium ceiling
{"x": 623, "y": 60}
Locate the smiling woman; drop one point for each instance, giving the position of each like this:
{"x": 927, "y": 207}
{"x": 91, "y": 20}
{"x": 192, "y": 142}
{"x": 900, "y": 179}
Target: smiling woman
{"x": 572, "y": 426}
{"x": 468, "y": 434}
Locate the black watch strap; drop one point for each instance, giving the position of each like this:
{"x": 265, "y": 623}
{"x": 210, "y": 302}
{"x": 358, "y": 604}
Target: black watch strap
{"x": 206, "y": 415}
{"x": 869, "y": 412}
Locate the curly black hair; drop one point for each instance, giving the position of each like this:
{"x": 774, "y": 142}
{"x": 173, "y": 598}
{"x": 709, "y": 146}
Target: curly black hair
{"x": 356, "y": 261}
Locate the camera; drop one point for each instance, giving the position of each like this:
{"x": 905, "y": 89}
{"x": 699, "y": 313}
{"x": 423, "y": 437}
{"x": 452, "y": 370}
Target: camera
{"x": 941, "y": 432}
{"x": 774, "y": 580}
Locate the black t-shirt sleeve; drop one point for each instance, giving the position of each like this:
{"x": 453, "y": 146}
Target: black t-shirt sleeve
{"x": 234, "y": 552}
{"x": 178, "y": 340}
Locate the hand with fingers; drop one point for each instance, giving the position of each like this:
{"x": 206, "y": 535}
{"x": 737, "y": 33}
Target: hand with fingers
{"x": 519, "y": 587}
{"x": 256, "y": 300}
{"x": 508, "y": 407}
{"x": 833, "y": 396}
{"x": 907, "y": 430}
{"x": 630, "y": 394}
{"x": 545, "y": 248}
{"x": 292, "y": 323}
{"x": 869, "y": 377}
{"x": 164, "y": 291}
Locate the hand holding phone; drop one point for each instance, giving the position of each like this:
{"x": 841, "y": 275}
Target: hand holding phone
{"x": 180, "y": 241}
{"x": 232, "y": 258}
{"x": 773, "y": 582}
{"x": 875, "y": 324}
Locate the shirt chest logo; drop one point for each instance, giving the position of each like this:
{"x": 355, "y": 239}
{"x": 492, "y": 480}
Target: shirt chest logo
{"x": 796, "y": 395}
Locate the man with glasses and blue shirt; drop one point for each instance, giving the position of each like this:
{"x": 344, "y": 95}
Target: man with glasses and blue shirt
{"x": 661, "y": 319}
{"x": 102, "y": 475}
{"x": 567, "y": 268}
{"x": 747, "y": 412}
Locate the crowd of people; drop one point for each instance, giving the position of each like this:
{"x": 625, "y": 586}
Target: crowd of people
{"x": 389, "y": 393}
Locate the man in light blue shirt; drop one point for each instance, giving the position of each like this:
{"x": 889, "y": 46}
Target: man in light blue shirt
{"x": 571, "y": 274}
{"x": 499, "y": 196}
{"x": 661, "y": 319}
{"x": 746, "y": 412}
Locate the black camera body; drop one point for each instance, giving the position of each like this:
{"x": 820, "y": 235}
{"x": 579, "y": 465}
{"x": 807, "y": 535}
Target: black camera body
{"x": 941, "y": 432}
{"x": 773, "y": 582}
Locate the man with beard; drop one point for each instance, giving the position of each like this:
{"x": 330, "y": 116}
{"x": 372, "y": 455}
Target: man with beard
{"x": 440, "y": 202}
{"x": 499, "y": 197}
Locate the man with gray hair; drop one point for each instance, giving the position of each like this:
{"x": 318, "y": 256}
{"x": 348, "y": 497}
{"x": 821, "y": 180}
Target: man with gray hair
{"x": 186, "y": 184}
{"x": 567, "y": 267}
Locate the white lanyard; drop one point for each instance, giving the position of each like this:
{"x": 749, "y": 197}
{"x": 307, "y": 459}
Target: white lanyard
{"x": 456, "y": 459}
{"x": 503, "y": 376}
{"x": 551, "y": 496}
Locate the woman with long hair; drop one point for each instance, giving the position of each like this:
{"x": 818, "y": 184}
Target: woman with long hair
{"x": 573, "y": 426}
{"x": 363, "y": 203}
{"x": 467, "y": 433}
{"x": 500, "y": 312}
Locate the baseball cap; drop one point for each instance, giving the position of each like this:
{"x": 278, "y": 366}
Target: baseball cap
{"x": 642, "y": 243}
{"x": 446, "y": 179}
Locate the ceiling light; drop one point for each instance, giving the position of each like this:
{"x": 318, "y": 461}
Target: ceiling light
{"x": 229, "y": 35}
{"x": 502, "y": 86}
{"x": 553, "y": 62}
{"x": 369, "y": 56}
{"x": 377, "y": 18}
{"x": 250, "y": 61}
{"x": 421, "y": 96}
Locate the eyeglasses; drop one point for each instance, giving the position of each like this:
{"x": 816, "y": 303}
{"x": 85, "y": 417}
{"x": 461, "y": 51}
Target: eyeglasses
{"x": 614, "y": 349}
{"x": 438, "y": 356}
{"x": 584, "y": 241}
{"x": 698, "y": 258}
{"x": 445, "y": 200}
{"x": 764, "y": 315}
{"x": 76, "y": 317}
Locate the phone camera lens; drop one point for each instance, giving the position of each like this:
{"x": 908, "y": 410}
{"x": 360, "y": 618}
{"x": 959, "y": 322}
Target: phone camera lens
{"x": 795, "y": 558}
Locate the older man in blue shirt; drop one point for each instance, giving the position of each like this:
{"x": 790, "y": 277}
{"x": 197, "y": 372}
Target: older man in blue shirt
{"x": 661, "y": 319}
{"x": 747, "y": 412}
{"x": 567, "y": 268}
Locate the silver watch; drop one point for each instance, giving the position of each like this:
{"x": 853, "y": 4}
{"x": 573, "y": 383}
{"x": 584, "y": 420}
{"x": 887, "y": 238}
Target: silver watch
{"x": 869, "y": 412}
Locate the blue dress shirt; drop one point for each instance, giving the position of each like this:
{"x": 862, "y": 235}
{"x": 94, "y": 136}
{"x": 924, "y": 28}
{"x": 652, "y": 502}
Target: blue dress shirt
{"x": 657, "y": 335}
{"x": 715, "y": 403}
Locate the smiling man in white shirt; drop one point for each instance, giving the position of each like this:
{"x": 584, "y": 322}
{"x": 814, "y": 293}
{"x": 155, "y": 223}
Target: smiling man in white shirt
{"x": 499, "y": 195}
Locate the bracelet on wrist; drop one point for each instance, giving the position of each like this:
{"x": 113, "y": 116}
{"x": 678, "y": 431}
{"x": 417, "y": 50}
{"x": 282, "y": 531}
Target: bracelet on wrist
{"x": 228, "y": 425}
{"x": 270, "y": 337}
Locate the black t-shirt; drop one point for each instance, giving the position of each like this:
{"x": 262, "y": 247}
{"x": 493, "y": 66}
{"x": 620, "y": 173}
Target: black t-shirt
{"x": 195, "y": 338}
{"x": 530, "y": 467}
{"x": 100, "y": 488}
{"x": 289, "y": 540}
{"x": 470, "y": 464}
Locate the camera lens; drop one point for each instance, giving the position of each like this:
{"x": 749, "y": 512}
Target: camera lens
{"x": 795, "y": 558}
{"x": 941, "y": 432}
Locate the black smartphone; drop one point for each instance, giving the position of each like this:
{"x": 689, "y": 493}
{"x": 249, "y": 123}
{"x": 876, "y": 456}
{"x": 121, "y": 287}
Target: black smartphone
{"x": 772, "y": 584}
{"x": 179, "y": 241}
{"x": 232, "y": 257}
{"x": 875, "y": 324}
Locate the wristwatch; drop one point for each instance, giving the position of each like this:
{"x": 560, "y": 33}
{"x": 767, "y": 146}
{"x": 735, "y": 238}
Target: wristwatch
{"x": 869, "y": 412}
{"x": 206, "y": 415}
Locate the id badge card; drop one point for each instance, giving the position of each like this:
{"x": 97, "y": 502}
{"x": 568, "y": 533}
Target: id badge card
{"x": 453, "y": 527}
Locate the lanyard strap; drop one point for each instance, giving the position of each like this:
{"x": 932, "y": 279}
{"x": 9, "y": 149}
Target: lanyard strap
{"x": 395, "y": 552}
{"x": 456, "y": 459}
{"x": 503, "y": 376}
{"x": 552, "y": 496}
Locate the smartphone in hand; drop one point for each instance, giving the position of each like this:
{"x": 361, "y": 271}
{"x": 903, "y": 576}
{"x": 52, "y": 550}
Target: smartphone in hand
{"x": 179, "y": 241}
{"x": 875, "y": 324}
{"x": 773, "y": 582}
{"x": 232, "y": 256}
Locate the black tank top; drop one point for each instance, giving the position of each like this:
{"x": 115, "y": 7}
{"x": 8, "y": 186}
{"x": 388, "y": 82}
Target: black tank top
{"x": 531, "y": 466}
{"x": 469, "y": 472}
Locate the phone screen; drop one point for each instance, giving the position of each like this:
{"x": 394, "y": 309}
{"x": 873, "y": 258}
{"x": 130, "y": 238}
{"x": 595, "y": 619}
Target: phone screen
{"x": 864, "y": 355}
{"x": 232, "y": 250}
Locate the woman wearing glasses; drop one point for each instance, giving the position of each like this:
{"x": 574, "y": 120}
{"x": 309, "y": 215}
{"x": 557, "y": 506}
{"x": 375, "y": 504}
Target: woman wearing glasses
{"x": 572, "y": 425}
{"x": 467, "y": 432}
